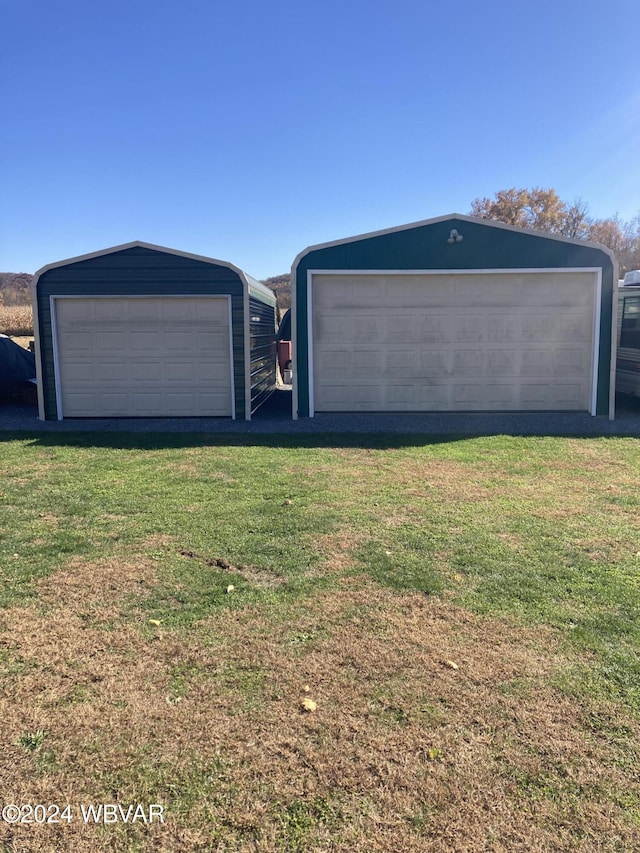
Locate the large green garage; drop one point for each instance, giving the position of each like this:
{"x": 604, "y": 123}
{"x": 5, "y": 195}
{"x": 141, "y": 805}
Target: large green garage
{"x": 453, "y": 314}
{"x": 145, "y": 331}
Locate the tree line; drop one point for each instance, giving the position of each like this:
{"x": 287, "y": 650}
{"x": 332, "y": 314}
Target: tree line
{"x": 543, "y": 210}
{"x": 15, "y": 288}
{"x": 538, "y": 209}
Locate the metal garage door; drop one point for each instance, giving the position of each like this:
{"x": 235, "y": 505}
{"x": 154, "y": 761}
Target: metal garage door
{"x": 143, "y": 357}
{"x": 453, "y": 342}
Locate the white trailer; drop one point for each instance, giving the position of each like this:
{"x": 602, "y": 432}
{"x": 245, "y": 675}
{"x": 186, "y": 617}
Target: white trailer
{"x": 628, "y": 358}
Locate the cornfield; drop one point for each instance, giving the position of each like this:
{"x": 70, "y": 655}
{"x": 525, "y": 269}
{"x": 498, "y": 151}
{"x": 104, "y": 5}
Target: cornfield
{"x": 16, "y": 320}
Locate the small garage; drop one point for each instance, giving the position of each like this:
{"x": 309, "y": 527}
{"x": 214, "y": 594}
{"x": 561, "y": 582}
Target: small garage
{"x": 453, "y": 314}
{"x": 144, "y": 331}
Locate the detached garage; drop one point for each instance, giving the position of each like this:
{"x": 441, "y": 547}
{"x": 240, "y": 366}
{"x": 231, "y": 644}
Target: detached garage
{"x": 453, "y": 314}
{"x": 144, "y": 331}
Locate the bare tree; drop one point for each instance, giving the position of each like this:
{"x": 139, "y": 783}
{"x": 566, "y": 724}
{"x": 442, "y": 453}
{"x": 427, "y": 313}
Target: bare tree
{"x": 543, "y": 210}
{"x": 540, "y": 209}
{"x": 576, "y": 220}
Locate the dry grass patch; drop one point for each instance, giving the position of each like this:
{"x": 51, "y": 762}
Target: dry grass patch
{"x": 101, "y": 585}
{"x": 434, "y": 729}
{"x": 367, "y": 471}
{"x": 16, "y": 320}
{"x": 446, "y": 478}
{"x": 258, "y": 576}
{"x": 49, "y": 518}
{"x": 337, "y": 550}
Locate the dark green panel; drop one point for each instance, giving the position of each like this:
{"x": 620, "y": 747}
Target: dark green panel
{"x": 262, "y": 346}
{"x": 426, "y": 247}
{"x": 139, "y": 271}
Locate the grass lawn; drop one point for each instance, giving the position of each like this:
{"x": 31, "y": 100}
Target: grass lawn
{"x": 321, "y": 643}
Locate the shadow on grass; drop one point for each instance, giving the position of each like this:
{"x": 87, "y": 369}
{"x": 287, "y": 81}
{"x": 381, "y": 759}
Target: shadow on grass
{"x": 169, "y": 441}
{"x": 272, "y": 426}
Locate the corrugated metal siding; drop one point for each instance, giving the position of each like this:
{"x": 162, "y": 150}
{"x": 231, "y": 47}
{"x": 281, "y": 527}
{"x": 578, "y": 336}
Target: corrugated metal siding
{"x": 262, "y": 337}
{"x": 484, "y": 246}
{"x": 141, "y": 271}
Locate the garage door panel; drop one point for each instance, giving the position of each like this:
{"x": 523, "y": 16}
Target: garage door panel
{"x": 468, "y": 362}
{"x": 572, "y": 327}
{"x": 80, "y": 371}
{"x": 182, "y": 310}
{"x": 333, "y": 328}
{"x": 469, "y": 327}
{"x": 364, "y": 362}
{"x": 535, "y": 395}
{"x": 143, "y": 311}
{"x": 415, "y": 397}
{"x": 435, "y": 328}
{"x": 80, "y": 342}
{"x": 176, "y": 341}
{"x": 485, "y": 291}
{"x": 173, "y": 404}
{"x": 360, "y": 292}
{"x": 569, "y": 362}
{"x": 536, "y": 362}
{"x": 352, "y": 325}
{"x": 502, "y": 362}
{"x": 80, "y": 399}
{"x": 143, "y": 371}
{"x": 102, "y": 342}
{"x": 80, "y": 311}
{"x": 367, "y": 395}
{"x": 99, "y": 311}
{"x": 402, "y": 328}
{"x": 537, "y": 327}
{"x": 124, "y": 358}
{"x": 401, "y": 362}
{"x": 401, "y": 395}
{"x": 118, "y": 402}
{"x": 206, "y": 370}
{"x": 556, "y": 327}
{"x": 103, "y": 371}
{"x": 213, "y": 343}
{"x": 142, "y": 341}
{"x": 434, "y": 363}
{"x": 503, "y": 327}
{"x": 334, "y": 397}
{"x": 142, "y": 401}
{"x": 502, "y": 396}
{"x": 90, "y": 400}
{"x": 432, "y": 397}
{"x": 468, "y": 395}
{"x": 334, "y": 362}
{"x": 364, "y": 329}
{"x": 567, "y": 395}
{"x": 450, "y": 341}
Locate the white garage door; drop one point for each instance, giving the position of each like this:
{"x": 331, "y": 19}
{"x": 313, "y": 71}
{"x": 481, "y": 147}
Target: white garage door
{"x": 453, "y": 342}
{"x": 143, "y": 357}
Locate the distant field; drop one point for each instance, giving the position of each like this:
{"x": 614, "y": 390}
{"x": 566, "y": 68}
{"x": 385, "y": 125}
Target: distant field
{"x": 16, "y": 320}
{"x": 297, "y": 645}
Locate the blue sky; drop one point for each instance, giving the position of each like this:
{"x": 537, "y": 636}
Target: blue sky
{"x": 248, "y": 131}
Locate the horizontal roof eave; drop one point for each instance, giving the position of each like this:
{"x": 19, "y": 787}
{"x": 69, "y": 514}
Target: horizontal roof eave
{"x": 460, "y": 216}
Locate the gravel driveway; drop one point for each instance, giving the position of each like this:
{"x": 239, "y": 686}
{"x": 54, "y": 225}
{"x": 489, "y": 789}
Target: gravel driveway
{"x": 275, "y": 417}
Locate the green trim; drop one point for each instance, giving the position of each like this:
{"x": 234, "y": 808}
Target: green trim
{"x": 261, "y": 292}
